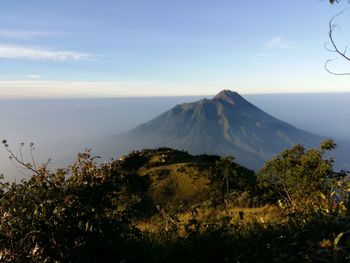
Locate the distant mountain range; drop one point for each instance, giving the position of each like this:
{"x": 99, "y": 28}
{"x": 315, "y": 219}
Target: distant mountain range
{"x": 225, "y": 125}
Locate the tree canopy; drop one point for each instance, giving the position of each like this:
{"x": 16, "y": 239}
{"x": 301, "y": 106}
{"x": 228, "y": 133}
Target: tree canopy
{"x": 299, "y": 177}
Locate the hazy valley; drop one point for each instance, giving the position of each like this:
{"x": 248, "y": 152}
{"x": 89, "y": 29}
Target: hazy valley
{"x": 62, "y": 128}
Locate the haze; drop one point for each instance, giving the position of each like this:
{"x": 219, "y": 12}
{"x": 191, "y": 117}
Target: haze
{"x": 55, "y": 53}
{"x": 62, "y": 128}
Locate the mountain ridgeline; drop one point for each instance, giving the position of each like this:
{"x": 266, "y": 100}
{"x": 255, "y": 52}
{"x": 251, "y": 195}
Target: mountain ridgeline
{"x": 225, "y": 125}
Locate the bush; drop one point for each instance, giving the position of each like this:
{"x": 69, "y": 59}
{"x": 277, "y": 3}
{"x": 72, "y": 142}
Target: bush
{"x": 74, "y": 214}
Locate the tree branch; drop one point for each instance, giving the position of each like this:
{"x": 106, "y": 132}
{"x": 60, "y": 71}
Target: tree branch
{"x": 19, "y": 160}
{"x": 334, "y": 47}
{"x": 334, "y": 73}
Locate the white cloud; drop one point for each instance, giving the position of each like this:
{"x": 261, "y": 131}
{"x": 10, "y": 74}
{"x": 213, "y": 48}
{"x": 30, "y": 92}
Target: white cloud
{"x": 27, "y": 89}
{"x": 34, "y": 76}
{"x": 260, "y": 54}
{"x": 29, "y": 53}
{"x": 36, "y": 88}
{"x": 21, "y": 77}
{"x": 278, "y": 42}
{"x": 24, "y": 35}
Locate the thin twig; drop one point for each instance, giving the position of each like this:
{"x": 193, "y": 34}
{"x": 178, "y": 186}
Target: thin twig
{"x": 21, "y": 162}
{"x": 31, "y": 154}
{"x": 334, "y": 73}
{"x": 20, "y": 151}
{"x": 334, "y": 48}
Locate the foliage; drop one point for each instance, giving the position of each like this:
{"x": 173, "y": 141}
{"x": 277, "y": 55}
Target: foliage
{"x": 165, "y": 205}
{"x": 74, "y": 214}
{"x": 298, "y": 177}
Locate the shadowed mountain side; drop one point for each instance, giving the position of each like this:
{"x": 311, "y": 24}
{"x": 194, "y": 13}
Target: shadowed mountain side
{"x": 225, "y": 125}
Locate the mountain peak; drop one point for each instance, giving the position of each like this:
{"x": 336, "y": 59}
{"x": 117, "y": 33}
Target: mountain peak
{"x": 226, "y": 125}
{"x": 229, "y": 96}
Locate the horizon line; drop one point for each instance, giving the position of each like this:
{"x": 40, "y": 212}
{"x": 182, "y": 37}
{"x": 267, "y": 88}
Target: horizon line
{"x": 162, "y": 96}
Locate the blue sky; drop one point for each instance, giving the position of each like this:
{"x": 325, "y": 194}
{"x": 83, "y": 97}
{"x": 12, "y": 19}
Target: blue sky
{"x": 111, "y": 48}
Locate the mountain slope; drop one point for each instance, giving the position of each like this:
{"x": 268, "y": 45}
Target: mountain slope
{"x": 224, "y": 125}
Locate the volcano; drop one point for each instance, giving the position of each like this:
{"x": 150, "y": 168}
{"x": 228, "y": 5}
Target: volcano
{"x": 224, "y": 125}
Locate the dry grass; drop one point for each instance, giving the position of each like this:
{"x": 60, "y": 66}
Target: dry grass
{"x": 241, "y": 217}
{"x": 177, "y": 185}
{"x": 174, "y": 186}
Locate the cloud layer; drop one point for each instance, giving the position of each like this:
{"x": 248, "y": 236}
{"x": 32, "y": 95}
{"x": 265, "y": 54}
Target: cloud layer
{"x": 24, "y": 35}
{"x": 36, "y": 88}
{"x": 278, "y": 42}
{"x": 29, "y": 53}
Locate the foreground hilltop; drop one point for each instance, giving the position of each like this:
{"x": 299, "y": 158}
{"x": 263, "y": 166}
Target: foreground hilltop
{"x": 176, "y": 180}
{"x": 224, "y": 125}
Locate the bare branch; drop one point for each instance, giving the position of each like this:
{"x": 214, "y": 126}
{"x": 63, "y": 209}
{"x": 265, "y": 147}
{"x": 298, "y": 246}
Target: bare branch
{"x": 19, "y": 160}
{"x": 333, "y": 47}
{"x": 20, "y": 151}
{"x": 332, "y": 72}
{"x": 327, "y": 48}
{"x": 31, "y": 146}
{"x": 332, "y": 26}
{"x": 17, "y": 168}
